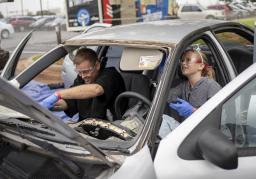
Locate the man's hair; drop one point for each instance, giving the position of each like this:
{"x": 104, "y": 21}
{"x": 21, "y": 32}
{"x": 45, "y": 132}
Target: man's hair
{"x": 84, "y": 54}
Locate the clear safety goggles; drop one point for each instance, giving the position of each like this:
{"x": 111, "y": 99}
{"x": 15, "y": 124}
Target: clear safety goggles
{"x": 188, "y": 60}
{"x": 85, "y": 71}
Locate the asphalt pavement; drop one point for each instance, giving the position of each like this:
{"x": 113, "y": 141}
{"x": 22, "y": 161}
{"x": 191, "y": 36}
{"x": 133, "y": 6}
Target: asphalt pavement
{"x": 40, "y": 42}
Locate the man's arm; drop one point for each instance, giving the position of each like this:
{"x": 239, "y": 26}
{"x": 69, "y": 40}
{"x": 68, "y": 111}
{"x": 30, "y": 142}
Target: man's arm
{"x": 56, "y": 101}
{"x": 84, "y": 91}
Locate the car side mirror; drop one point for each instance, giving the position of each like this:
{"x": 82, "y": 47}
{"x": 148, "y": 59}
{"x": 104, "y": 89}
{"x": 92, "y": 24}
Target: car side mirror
{"x": 216, "y": 148}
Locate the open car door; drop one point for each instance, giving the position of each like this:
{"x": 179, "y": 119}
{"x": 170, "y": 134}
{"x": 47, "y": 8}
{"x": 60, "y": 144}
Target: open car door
{"x": 10, "y": 67}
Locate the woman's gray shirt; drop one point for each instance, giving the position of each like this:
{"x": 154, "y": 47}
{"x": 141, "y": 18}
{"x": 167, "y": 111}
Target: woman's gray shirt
{"x": 204, "y": 89}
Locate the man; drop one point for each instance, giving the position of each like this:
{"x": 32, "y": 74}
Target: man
{"x": 93, "y": 92}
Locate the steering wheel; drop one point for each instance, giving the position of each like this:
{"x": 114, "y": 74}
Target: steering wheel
{"x": 141, "y": 108}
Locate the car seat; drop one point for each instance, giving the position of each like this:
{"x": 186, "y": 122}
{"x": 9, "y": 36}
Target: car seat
{"x": 241, "y": 57}
{"x": 137, "y": 83}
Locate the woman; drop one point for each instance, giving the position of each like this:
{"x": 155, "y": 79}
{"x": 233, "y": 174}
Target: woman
{"x": 192, "y": 93}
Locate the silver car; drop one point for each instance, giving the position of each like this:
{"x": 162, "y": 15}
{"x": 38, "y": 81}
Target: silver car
{"x": 216, "y": 141}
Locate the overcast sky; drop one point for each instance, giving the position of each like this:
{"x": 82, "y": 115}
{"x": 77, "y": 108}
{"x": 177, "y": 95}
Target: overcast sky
{"x": 30, "y": 6}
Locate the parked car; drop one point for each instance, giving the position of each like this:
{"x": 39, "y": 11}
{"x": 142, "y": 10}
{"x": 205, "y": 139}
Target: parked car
{"x": 196, "y": 11}
{"x": 209, "y": 144}
{"x": 39, "y": 24}
{"x": 21, "y": 23}
{"x": 243, "y": 7}
{"x": 6, "y": 30}
{"x": 240, "y": 12}
{"x": 227, "y": 10}
{"x": 57, "y": 21}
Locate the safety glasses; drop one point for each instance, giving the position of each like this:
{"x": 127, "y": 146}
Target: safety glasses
{"x": 85, "y": 71}
{"x": 188, "y": 60}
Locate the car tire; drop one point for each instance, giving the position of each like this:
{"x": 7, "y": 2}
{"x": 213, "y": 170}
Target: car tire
{"x": 5, "y": 34}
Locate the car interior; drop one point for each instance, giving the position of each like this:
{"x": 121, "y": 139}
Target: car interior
{"x": 139, "y": 69}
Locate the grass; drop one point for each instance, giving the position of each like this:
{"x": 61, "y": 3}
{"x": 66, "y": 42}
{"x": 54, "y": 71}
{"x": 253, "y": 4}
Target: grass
{"x": 248, "y": 21}
{"x": 35, "y": 57}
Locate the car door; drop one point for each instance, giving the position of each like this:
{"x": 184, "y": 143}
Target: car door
{"x": 10, "y": 67}
{"x": 20, "y": 76}
{"x": 238, "y": 44}
{"x": 231, "y": 113}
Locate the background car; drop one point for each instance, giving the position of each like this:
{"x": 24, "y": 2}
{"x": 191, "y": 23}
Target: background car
{"x": 57, "y": 21}
{"x": 241, "y": 13}
{"x": 39, "y": 24}
{"x": 196, "y": 11}
{"x": 150, "y": 67}
{"x": 227, "y": 10}
{"x": 21, "y": 23}
{"x": 6, "y": 30}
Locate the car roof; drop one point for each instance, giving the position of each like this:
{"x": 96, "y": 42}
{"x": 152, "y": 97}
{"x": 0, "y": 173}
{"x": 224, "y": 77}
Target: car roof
{"x": 168, "y": 32}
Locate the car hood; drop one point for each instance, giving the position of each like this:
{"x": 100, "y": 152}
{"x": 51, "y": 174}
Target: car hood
{"x": 16, "y": 100}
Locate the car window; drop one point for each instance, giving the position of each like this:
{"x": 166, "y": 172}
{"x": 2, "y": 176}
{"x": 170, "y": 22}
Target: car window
{"x": 186, "y": 9}
{"x": 196, "y": 9}
{"x": 51, "y": 75}
{"x": 239, "y": 49}
{"x": 238, "y": 117}
{"x": 214, "y": 72}
{"x": 113, "y": 56}
{"x": 233, "y": 37}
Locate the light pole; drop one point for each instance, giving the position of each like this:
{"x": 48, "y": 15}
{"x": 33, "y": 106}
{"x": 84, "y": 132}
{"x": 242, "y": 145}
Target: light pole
{"x": 22, "y": 7}
{"x": 41, "y": 8}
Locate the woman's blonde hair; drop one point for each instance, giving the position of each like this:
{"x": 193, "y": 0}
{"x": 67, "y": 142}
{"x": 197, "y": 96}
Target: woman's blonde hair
{"x": 208, "y": 70}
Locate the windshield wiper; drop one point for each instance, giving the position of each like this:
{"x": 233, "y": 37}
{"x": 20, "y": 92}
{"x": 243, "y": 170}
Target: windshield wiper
{"x": 24, "y": 128}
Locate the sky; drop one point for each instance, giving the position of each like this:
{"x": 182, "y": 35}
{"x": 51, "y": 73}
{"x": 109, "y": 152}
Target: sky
{"x": 15, "y": 8}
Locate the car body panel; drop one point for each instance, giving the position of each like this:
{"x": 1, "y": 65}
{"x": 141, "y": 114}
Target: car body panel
{"x": 167, "y": 163}
{"x": 139, "y": 32}
{"x": 144, "y": 166}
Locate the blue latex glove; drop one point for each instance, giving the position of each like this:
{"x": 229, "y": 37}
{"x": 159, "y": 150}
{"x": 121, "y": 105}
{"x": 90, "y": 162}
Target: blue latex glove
{"x": 182, "y": 107}
{"x": 49, "y": 101}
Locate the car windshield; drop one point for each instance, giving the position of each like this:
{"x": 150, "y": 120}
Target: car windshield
{"x": 140, "y": 75}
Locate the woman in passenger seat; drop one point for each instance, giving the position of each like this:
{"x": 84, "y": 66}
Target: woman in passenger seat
{"x": 192, "y": 93}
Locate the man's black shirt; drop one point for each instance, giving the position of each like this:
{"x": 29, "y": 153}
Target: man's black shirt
{"x": 112, "y": 83}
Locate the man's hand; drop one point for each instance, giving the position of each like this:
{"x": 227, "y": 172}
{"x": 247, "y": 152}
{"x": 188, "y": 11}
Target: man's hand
{"x": 182, "y": 107}
{"x": 50, "y": 101}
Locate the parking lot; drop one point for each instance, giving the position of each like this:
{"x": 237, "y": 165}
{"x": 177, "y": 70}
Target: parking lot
{"x": 40, "y": 42}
